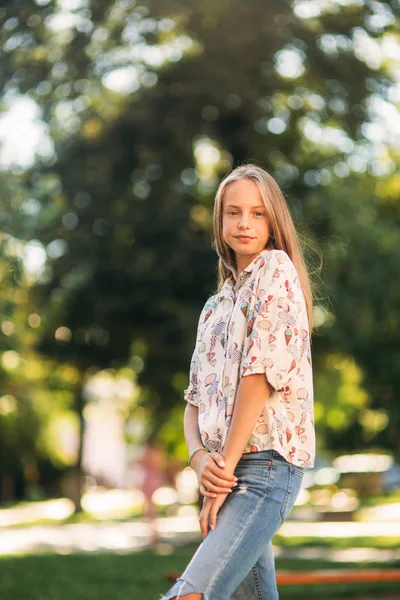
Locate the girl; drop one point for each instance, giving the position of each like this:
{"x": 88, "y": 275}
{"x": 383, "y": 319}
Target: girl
{"x": 249, "y": 423}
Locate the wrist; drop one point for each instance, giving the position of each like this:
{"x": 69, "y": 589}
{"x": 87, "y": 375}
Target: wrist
{"x": 230, "y": 464}
{"x": 196, "y": 458}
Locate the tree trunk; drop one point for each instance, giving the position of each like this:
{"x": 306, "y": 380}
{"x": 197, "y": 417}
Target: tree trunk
{"x": 73, "y": 481}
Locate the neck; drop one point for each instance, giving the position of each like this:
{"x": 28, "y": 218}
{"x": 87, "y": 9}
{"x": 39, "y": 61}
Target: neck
{"x": 243, "y": 262}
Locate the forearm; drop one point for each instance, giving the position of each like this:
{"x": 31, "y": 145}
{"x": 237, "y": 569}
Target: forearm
{"x": 251, "y": 396}
{"x": 191, "y": 431}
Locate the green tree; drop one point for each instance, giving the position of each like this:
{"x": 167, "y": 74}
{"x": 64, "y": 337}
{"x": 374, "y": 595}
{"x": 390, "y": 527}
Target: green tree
{"x": 126, "y": 200}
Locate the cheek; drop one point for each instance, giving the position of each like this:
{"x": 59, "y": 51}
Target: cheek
{"x": 226, "y": 227}
{"x": 263, "y": 228}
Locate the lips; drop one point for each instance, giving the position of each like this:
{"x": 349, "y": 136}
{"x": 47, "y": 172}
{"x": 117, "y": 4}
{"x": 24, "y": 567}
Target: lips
{"x": 244, "y": 237}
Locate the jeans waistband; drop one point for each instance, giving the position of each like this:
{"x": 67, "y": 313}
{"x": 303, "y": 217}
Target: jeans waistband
{"x": 262, "y": 455}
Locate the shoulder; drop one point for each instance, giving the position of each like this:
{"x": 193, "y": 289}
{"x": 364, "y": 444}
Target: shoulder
{"x": 202, "y": 315}
{"x": 211, "y": 300}
{"x": 279, "y": 257}
{"x": 276, "y": 267}
{"x": 209, "y": 304}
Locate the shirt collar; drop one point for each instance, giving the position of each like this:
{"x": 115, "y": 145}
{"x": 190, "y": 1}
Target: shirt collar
{"x": 230, "y": 283}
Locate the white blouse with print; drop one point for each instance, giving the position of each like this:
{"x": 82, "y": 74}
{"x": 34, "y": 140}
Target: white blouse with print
{"x": 257, "y": 325}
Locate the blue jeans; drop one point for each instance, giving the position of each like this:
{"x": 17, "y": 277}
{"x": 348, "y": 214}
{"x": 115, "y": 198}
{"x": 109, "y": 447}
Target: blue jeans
{"x": 236, "y": 560}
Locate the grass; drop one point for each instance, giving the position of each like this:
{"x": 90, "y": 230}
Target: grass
{"x": 343, "y": 543}
{"x": 392, "y": 496}
{"x": 143, "y": 575}
{"x": 140, "y": 575}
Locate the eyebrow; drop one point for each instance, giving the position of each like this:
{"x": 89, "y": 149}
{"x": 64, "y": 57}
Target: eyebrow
{"x": 236, "y": 206}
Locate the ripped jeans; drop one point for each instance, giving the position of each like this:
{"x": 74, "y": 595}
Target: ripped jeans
{"x": 235, "y": 561}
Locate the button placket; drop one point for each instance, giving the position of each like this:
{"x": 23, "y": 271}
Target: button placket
{"x": 232, "y": 305}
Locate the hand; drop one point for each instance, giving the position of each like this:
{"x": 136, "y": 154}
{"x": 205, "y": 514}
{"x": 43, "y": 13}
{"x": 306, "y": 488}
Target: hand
{"x": 210, "y": 510}
{"x": 213, "y": 478}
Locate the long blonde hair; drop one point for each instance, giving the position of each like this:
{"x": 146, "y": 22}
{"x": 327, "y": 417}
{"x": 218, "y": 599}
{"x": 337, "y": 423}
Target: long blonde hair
{"x": 282, "y": 233}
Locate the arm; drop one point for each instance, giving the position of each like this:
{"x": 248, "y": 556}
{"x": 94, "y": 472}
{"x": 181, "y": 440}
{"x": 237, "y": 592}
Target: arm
{"x": 272, "y": 351}
{"x": 279, "y": 336}
{"x": 211, "y": 474}
{"x": 251, "y": 397}
{"x": 192, "y": 433}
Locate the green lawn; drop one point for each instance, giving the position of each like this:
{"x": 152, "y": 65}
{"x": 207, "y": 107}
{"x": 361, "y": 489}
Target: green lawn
{"x": 138, "y": 576}
{"x": 339, "y": 543}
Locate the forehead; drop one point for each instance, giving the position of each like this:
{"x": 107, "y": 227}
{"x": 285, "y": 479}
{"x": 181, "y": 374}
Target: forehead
{"x": 242, "y": 193}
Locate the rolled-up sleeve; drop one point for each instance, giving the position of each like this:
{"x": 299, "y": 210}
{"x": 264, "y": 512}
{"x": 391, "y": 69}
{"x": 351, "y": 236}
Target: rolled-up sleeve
{"x": 277, "y": 325}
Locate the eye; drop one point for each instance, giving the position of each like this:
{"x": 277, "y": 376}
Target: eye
{"x": 232, "y": 212}
{"x": 260, "y": 213}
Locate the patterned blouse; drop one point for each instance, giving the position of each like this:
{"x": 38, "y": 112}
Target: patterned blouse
{"x": 257, "y": 324}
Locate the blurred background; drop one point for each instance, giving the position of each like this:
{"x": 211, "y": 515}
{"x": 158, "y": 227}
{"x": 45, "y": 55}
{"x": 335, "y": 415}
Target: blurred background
{"x": 118, "y": 120}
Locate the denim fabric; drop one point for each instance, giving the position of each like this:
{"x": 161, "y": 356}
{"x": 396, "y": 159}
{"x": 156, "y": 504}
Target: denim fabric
{"x": 236, "y": 561}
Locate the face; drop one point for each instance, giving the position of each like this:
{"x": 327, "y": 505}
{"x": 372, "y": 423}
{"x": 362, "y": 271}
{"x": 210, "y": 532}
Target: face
{"x": 244, "y": 214}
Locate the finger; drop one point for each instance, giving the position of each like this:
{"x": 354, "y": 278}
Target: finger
{"x": 219, "y": 461}
{"x": 203, "y": 528}
{"x": 213, "y": 517}
{"x": 218, "y": 479}
{"x": 216, "y": 489}
{"x": 216, "y": 473}
{"x": 212, "y": 483}
{"x": 204, "y": 519}
{"x": 216, "y": 485}
{"x": 207, "y": 493}
{"x": 217, "y": 458}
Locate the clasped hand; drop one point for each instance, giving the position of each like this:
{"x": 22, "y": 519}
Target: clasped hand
{"x": 215, "y": 483}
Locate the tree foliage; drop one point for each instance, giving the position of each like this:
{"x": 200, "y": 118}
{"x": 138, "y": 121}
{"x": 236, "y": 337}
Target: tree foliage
{"x": 147, "y": 106}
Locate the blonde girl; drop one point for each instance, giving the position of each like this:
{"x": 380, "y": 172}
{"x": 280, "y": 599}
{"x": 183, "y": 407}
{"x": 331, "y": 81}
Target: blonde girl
{"x": 249, "y": 419}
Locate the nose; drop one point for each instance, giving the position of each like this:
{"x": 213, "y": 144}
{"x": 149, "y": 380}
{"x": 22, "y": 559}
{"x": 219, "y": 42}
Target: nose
{"x": 243, "y": 222}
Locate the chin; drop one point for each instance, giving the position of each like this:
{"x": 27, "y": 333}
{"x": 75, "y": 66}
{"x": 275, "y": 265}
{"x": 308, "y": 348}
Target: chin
{"x": 247, "y": 248}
